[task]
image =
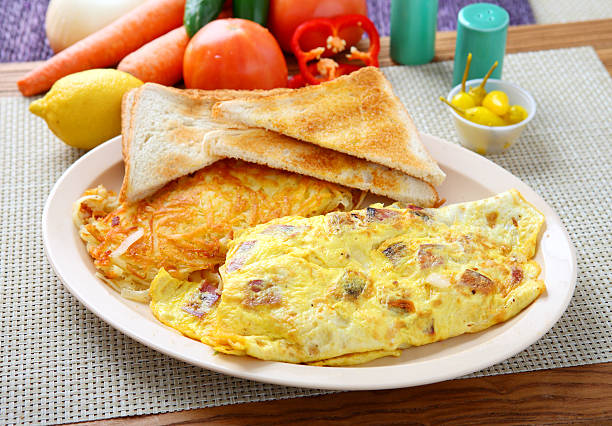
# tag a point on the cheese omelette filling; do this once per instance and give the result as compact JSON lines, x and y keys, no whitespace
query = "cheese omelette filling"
{"x":345,"y":288}
{"x":185,"y":227}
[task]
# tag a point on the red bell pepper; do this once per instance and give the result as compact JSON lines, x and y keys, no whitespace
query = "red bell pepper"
{"x":325,"y":69}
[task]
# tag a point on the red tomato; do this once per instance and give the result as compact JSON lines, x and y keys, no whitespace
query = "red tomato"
{"x":286,"y":15}
{"x":234,"y":54}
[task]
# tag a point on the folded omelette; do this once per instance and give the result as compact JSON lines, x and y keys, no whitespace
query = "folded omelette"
{"x":348,"y":287}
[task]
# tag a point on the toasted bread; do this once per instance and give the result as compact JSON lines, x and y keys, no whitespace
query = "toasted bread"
{"x":282,"y":152}
{"x":126,"y":111}
{"x":163,"y":132}
{"x":127,"y":104}
{"x":357,"y":114}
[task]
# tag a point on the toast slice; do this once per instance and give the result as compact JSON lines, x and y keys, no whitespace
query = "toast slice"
{"x":357,"y":114}
{"x":281,"y":152}
{"x":126,"y":112}
{"x":127,"y":104}
{"x":163,"y":131}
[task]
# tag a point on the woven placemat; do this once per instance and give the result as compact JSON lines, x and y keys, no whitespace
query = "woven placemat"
{"x":62,"y":364}
{"x":554,"y":11}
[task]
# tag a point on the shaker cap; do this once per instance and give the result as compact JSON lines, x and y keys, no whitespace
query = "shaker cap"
{"x":484,"y":17}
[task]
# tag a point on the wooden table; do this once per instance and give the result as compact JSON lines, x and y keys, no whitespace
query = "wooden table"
{"x":565,"y":395}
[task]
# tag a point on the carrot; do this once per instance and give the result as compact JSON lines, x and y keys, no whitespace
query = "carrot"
{"x":159,"y":61}
{"x":106,"y":47}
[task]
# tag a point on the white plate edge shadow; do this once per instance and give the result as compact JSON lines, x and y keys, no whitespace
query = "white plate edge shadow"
{"x":170,"y":342}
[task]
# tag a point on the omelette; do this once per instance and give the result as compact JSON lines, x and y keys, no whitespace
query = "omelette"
{"x":186,"y":226}
{"x":348,"y":287}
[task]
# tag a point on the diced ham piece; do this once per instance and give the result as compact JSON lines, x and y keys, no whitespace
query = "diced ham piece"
{"x":476,"y":282}
{"x":259,"y":292}
{"x":402,"y":304}
{"x":202,"y":301}
{"x":395,"y":252}
{"x":427,"y":256}
{"x":517,"y":276}
{"x":380,"y":215}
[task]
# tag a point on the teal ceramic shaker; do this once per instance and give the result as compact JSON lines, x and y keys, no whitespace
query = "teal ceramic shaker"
{"x":481,"y":30}
{"x":413,"y":31}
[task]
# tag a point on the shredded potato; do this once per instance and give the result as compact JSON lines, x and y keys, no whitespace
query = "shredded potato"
{"x":187,"y":225}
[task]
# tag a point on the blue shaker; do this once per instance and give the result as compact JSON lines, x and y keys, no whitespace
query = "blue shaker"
{"x":413,"y":31}
{"x":481,"y":30}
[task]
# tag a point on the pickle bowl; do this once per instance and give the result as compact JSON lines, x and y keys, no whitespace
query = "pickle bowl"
{"x":492,"y":139}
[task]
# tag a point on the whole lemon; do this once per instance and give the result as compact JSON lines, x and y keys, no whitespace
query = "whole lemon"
{"x":84,"y":109}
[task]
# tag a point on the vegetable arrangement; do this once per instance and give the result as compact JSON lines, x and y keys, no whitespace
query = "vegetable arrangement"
{"x":287,"y":15}
{"x":327,"y":69}
{"x":108,"y":46}
{"x":152,"y":42}
{"x":199,"y":13}
{"x":159,"y":61}
{"x":197,"y":41}
{"x":234,"y":54}
{"x":253,"y":10}
{"x":69,"y":21}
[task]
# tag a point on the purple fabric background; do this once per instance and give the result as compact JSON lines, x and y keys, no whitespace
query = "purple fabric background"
{"x":22,"y":23}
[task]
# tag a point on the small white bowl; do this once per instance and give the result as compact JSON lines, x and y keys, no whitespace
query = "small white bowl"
{"x":486,"y":139}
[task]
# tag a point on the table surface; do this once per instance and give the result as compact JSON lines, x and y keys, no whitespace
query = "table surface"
{"x":576,"y":394}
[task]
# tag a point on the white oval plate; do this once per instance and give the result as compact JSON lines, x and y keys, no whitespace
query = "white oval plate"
{"x":470,"y":177}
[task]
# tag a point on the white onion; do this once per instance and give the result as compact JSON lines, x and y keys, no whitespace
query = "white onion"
{"x":88,"y":197}
{"x":437,"y":280}
{"x":137,"y":295}
{"x":76,"y":208}
{"x":69,"y":21}
{"x":125,"y":244}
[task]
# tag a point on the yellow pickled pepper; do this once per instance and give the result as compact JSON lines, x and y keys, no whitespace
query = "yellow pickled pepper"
{"x":515,"y":114}
{"x":478,"y":114}
{"x":478,"y":93}
{"x":462,"y":99}
{"x":497,"y":102}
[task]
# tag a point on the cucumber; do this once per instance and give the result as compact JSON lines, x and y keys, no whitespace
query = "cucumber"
{"x":199,"y":13}
{"x":254,"y":10}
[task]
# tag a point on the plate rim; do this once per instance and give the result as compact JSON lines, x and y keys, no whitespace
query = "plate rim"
{"x":303,"y":378}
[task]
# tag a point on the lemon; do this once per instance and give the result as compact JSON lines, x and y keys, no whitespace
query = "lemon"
{"x":84,"y":109}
